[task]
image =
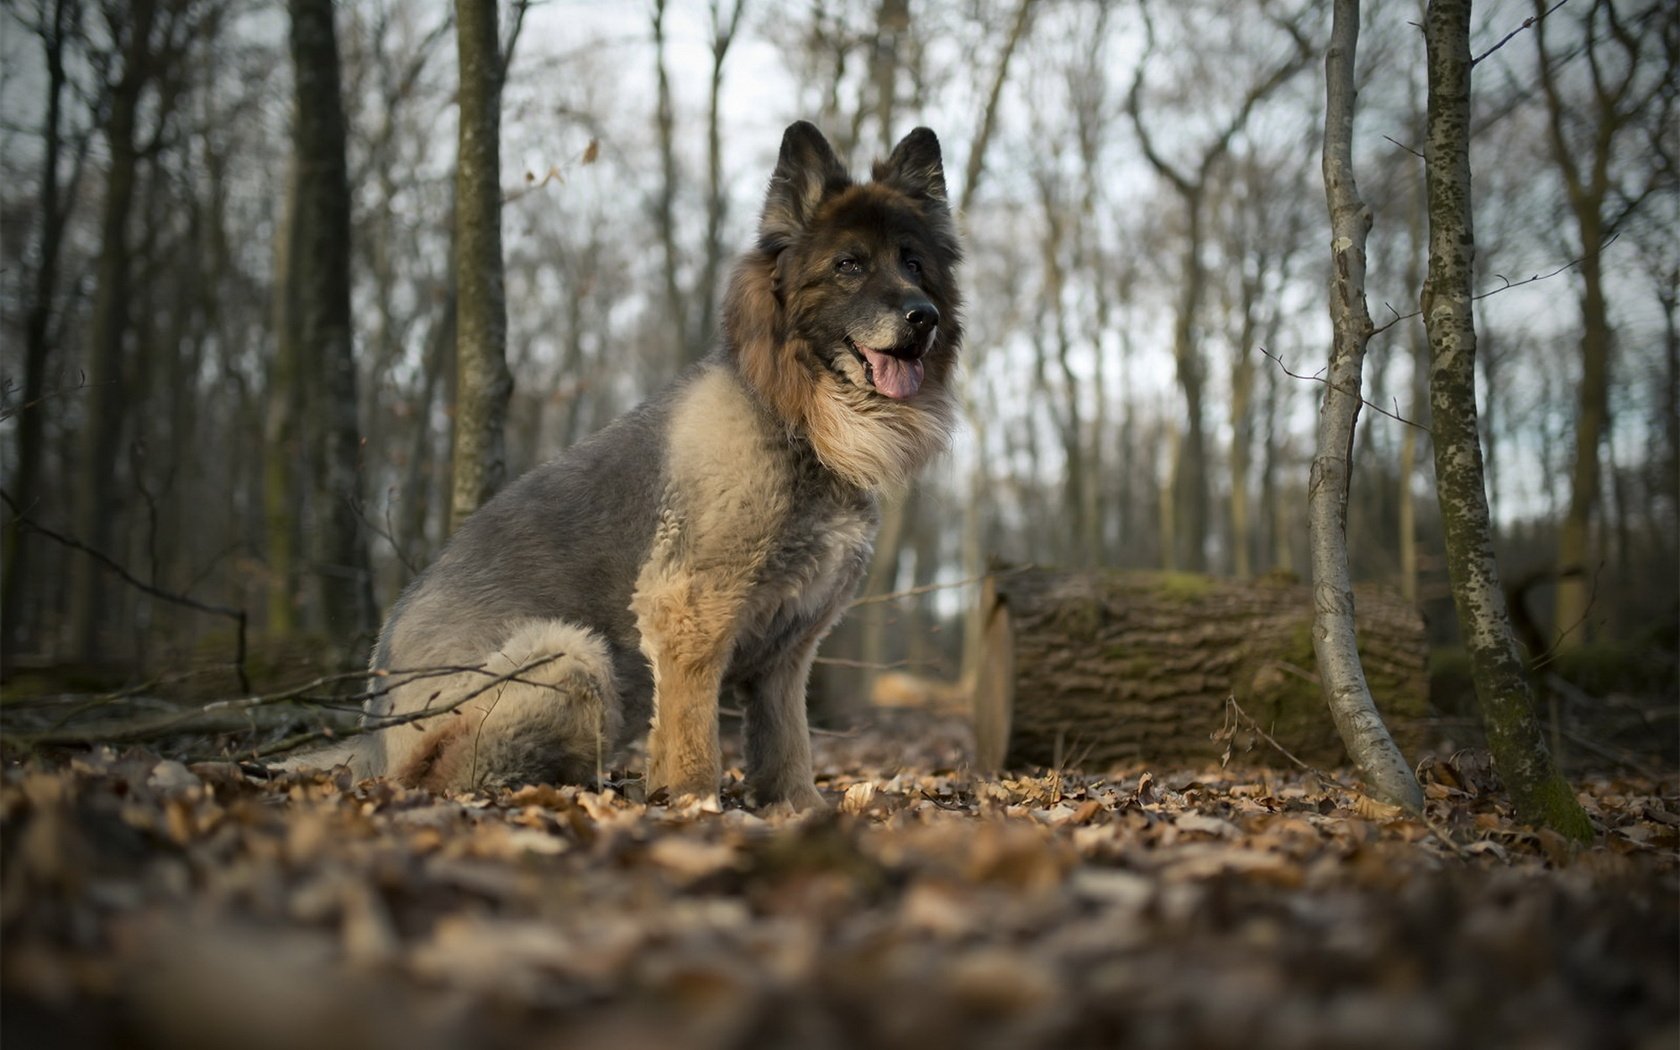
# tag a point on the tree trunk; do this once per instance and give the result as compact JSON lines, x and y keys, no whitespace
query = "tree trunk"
{"x":1417,"y":351}
{"x":1187,"y":543}
{"x":700,"y":340}
{"x":1585,"y":168}
{"x":976,"y":166}
{"x":1242,"y":423}
{"x":1166,"y":504}
{"x":104,"y":406}
{"x":1575,"y":569}
{"x":1507,"y":704}
{"x":973,"y":543}
{"x":321,"y":263}
{"x":483,"y":384}
{"x":1345,"y":689}
{"x":676,"y":306}
{"x":283,"y":444}
{"x":1097,"y":669}
{"x":55,"y":207}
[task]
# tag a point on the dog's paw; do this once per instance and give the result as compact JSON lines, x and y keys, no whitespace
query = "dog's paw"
{"x":696,"y":796}
{"x":803,"y":799}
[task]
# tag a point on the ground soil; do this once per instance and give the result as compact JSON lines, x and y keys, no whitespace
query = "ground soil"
{"x":147,"y":902}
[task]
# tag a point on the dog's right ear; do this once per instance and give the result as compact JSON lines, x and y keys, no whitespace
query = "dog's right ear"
{"x":807,"y":171}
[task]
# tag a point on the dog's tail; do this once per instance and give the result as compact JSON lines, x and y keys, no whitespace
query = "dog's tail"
{"x":542,"y":708}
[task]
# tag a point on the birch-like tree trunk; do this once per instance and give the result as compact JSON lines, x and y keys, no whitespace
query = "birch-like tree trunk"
{"x":483,"y":384}
{"x":320,"y":255}
{"x":1502,"y":688}
{"x":1355,"y":712}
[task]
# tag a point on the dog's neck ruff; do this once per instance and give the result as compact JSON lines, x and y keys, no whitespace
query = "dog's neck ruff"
{"x":873,"y":442}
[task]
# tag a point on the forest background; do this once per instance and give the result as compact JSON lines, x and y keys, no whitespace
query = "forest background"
{"x":1139,"y":191}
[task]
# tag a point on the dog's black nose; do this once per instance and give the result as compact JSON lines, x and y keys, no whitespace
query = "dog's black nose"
{"x":922,"y":315}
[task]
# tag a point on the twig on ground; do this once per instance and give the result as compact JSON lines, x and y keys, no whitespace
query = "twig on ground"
{"x":1248,"y":720}
{"x":373,"y":723}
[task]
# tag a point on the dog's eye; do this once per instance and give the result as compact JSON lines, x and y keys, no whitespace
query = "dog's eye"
{"x":913,"y":264}
{"x":848,"y":265}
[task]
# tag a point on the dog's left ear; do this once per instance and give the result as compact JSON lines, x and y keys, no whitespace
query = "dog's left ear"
{"x":915,"y":167}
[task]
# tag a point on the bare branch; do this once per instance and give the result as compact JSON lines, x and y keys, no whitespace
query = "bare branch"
{"x":1316,"y":378}
{"x":1527,"y":22}
{"x":1505,"y":287}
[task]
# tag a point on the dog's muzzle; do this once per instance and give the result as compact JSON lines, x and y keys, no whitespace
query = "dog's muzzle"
{"x":896,"y":370}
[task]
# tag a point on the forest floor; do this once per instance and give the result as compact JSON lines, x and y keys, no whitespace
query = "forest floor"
{"x":146,"y":902}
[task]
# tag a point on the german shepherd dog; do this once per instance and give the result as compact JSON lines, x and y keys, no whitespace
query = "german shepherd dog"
{"x":709,"y":538}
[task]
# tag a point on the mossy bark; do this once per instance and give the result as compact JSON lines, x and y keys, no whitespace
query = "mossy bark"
{"x":483,"y":384}
{"x":1102,"y":668}
{"x":1502,"y":688}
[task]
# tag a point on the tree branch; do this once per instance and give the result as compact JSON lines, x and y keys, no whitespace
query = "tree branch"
{"x":1508,"y":37}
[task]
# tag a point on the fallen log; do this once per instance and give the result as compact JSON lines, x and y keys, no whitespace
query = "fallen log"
{"x":1097,"y":669}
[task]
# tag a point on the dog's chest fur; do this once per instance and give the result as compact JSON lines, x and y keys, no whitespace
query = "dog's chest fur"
{"x":751,"y":517}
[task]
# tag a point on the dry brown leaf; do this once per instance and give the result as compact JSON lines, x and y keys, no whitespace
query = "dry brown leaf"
{"x":690,"y":859}
{"x":858,"y":797}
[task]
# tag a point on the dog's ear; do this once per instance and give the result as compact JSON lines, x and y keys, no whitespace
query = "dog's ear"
{"x":806,"y":172}
{"x":915,"y":167}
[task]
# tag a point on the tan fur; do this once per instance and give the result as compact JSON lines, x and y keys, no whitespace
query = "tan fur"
{"x":518,"y":729}
{"x":435,"y":762}
{"x":727,"y":495}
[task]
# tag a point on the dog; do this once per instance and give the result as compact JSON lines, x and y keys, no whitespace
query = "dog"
{"x":709,"y":538}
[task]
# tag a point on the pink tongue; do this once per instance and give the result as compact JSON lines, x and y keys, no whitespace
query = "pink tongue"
{"x":894,"y":376}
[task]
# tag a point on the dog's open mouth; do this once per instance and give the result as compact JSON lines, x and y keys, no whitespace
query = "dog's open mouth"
{"x":891,"y":371}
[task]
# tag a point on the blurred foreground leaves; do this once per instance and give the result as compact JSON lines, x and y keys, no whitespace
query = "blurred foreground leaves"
{"x":147,"y":902}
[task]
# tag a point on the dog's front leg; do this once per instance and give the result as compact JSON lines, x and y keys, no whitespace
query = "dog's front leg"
{"x":688,"y":627}
{"x":778,"y":739}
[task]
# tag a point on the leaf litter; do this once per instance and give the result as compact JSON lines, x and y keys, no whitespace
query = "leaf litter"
{"x":148,"y":902}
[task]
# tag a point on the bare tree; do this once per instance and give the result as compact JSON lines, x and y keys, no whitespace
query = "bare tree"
{"x":1260,"y":234}
{"x":1502,"y":688}
{"x":973,"y":541}
{"x":725,"y":25}
{"x":483,"y":384}
{"x":56,"y":28}
{"x":1189,"y":180}
{"x":664,"y":205}
{"x":320,"y":264}
{"x":1357,"y":719}
{"x":283,"y":439}
{"x":102,"y":431}
{"x":1583,"y":146}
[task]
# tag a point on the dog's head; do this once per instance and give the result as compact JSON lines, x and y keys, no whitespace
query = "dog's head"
{"x":849,"y":302}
